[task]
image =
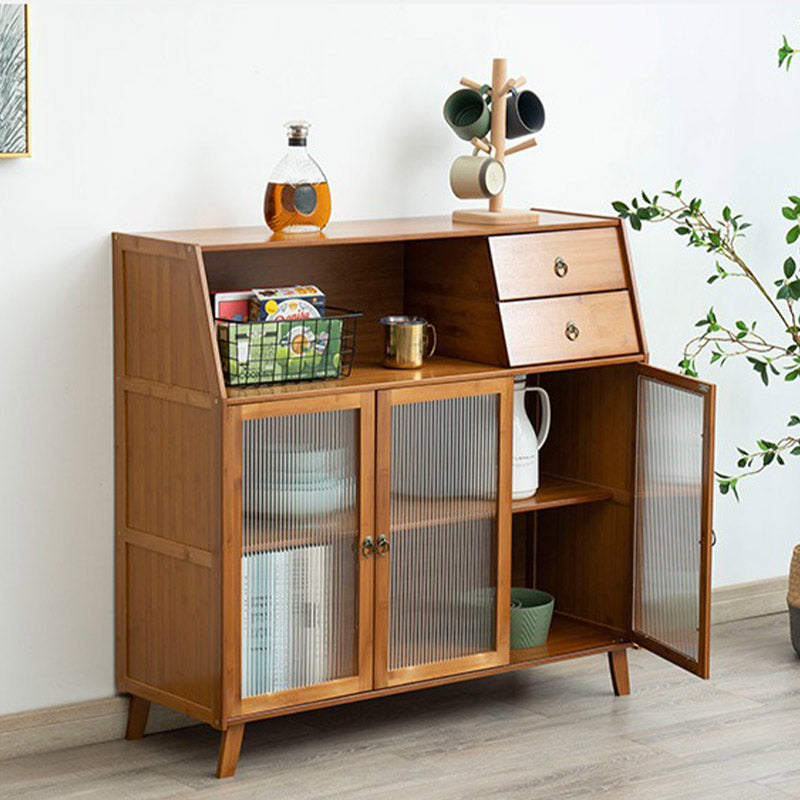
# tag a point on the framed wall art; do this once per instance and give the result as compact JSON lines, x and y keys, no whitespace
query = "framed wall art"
{"x":14,"y":82}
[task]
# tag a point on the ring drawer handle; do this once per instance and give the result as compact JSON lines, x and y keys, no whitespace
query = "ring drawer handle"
{"x":382,"y":547}
{"x":367,"y":547}
{"x":572,"y":331}
{"x":560,"y":267}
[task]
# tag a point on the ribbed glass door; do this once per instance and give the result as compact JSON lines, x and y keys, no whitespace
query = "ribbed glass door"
{"x":302,"y":572}
{"x":441,"y":509}
{"x":672,"y":569}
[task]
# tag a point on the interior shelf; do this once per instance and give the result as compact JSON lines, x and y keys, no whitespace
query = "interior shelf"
{"x":555,"y":492}
{"x":568,"y":636}
{"x":370,"y":376}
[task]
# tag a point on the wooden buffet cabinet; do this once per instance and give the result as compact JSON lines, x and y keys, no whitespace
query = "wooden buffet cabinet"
{"x":395,"y":574}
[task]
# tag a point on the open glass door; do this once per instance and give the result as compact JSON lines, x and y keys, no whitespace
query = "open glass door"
{"x":673,"y":499}
{"x":444,"y":526}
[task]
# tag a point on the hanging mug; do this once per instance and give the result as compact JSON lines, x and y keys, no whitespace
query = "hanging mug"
{"x":526,"y":442}
{"x":524,"y":114}
{"x":466,"y":111}
{"x":477,"y":176}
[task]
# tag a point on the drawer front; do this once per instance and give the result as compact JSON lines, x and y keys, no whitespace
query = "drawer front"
{"x":569,"y":328}
{"x":561,"y":262}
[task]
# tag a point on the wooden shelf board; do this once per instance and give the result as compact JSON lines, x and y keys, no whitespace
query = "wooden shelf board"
{"x":372,"y":230}
{"x":557,"y":492}
{"x":430,"y":511}
{"x":370,"y":376}
{"x":568,"y":637}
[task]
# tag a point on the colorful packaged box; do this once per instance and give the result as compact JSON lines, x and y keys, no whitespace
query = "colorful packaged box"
{"x":281,"y":350}
{"x":287,"y":302}
{"x":233,"y":306}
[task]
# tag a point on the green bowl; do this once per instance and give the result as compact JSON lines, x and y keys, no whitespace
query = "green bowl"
{"x":531,"y":614}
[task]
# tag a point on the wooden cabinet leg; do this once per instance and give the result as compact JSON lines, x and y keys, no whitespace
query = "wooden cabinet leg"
{"x":138,"y":711}
{"x":229,"y":747}
{"x":618,"y":664}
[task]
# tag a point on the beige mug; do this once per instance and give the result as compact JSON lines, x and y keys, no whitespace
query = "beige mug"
{"x":408,"y":341}
{"x":477,"y":176}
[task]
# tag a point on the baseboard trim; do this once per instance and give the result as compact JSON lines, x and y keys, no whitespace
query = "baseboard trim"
{"x":59,"y":727}
{"x":745,"y":600}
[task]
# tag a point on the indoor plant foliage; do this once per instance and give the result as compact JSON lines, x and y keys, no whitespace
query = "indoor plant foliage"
{"x":719,"y":340}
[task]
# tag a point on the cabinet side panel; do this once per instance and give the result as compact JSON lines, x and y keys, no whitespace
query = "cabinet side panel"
{"x":163,"y":317}
{"x":584,"y":554}
{"x":450,"y":282}
{"x":172,"y":471}
{"x":170,"y":638}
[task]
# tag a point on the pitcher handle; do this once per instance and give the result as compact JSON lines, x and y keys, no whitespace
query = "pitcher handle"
{"x":430,"y":327}
{"x":541,"y":436}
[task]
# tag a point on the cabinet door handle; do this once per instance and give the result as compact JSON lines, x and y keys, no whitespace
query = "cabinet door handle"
{"x":572,"y":331}
{"x":367,"y":547}
{"x":382,"y":547}
{"x":560,"y":267}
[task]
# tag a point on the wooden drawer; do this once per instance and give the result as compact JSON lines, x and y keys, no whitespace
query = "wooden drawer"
{"x":538,"y":331}
{"x":561,"y":262}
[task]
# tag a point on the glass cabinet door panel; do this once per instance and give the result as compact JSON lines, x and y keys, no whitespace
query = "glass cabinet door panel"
{"x":301,"y":561}
{"x":673,"y":517}
{"x":443,"y":532}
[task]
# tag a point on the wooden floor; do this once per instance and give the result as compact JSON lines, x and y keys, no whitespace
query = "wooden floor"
{"x":554,"y":732}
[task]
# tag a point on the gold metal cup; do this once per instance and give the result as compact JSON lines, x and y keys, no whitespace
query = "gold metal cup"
{"x":408,"y":341}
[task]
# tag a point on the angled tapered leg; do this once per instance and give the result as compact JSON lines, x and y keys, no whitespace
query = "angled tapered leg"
{"x":229,"y":747}
{"x":138,"y":711}
{"x":618,"y":664}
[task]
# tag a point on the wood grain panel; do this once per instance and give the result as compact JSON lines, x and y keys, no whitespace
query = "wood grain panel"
{"x":371,"y":230}
{"x":585,"y":553}
{"x":172,"y":471}
{"x":450,"y":283}
{"x":164,"y":320}
{"x":556,"y":263}
{"x":170,"y":640}
{"x":536,"y":330}
{"x":366,"y":278}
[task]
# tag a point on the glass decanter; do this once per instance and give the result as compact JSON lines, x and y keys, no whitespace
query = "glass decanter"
{"x":297,"y":199}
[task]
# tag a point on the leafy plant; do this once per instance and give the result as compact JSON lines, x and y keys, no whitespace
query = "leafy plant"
{"x":770,"y":358}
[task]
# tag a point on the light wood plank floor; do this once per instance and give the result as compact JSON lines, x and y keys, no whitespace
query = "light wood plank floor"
{"x":550,"y":733}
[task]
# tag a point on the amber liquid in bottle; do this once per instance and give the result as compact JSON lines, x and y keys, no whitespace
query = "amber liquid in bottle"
{"x":297,"y":207}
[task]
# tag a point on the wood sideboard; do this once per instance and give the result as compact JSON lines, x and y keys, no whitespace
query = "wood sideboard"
{"x":402,"y":581}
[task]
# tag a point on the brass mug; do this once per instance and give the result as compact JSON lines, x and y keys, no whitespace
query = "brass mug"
{"x":406,"y":340}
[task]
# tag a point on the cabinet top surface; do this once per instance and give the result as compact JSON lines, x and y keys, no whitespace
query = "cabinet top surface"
{"x":375,"y":230}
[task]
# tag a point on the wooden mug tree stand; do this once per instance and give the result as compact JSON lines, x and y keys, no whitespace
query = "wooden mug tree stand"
{"x":496,"y":214}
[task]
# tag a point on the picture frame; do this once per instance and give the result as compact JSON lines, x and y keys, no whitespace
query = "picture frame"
{"x":15,"y":140}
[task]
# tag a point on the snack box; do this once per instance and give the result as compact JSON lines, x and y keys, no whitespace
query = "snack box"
{"x":285,"y":350}
{"x":233,"y":306}
{"x":287,"y":302}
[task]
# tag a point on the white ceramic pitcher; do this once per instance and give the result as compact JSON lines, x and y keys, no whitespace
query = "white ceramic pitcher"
{"x":525,"y":476}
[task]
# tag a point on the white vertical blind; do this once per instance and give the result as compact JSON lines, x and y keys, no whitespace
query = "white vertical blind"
{"x":443,"y":529}
{"x":669,"y":514}
{"x":299,"y":536}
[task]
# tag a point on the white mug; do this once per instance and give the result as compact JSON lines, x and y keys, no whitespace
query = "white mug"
{"x":477,"y":176}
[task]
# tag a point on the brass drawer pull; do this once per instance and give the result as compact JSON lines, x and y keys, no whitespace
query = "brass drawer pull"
{"x":560,"y":267}
{"x":382,"y":547}
{"x":572,"y":331}
{"x":367,"y":547}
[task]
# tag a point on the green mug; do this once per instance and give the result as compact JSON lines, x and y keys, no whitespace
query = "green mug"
{"x":466,"y":111}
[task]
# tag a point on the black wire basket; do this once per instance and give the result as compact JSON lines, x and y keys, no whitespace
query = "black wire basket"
{"x":290,"y":350}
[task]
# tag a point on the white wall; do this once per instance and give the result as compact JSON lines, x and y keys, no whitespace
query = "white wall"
{"x":148,"y":117}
